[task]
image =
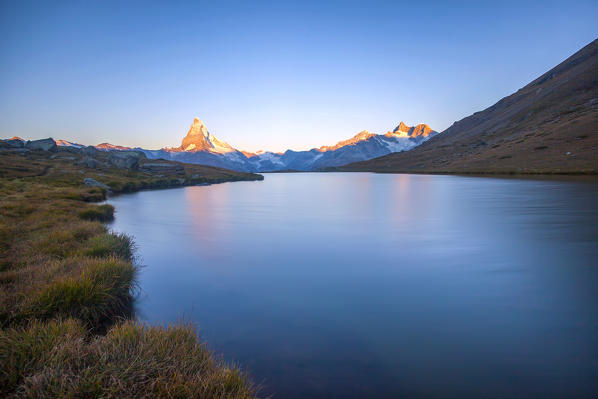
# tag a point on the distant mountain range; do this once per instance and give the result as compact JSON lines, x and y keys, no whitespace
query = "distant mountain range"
{"x":548,"y":126}
{"x":199,"y":146}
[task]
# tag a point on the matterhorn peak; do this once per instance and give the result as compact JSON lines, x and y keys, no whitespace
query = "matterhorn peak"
{"x":198,"y":128}
{"x":199,"y":139}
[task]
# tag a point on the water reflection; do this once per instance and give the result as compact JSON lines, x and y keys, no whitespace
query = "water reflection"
{"x":362,"y":285}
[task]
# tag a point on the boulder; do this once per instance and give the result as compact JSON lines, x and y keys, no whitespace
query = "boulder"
{"x":125,"y":159}
{"x":43,"y":144}
{"x":88,"y":181}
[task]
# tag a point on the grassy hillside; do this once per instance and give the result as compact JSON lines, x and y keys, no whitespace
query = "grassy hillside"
{"x":549,"y":126}
{"x":66,"y":286}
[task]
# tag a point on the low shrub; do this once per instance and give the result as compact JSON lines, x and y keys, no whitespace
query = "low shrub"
{"x":101,"y":213}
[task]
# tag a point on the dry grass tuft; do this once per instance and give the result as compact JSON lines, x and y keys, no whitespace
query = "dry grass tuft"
{"x":101,"y":213}
{"x":58,"y":359}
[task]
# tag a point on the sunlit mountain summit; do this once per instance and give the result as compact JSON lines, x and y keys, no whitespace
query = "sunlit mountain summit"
{"x":200,"y":146}
{"x":199,"y":139}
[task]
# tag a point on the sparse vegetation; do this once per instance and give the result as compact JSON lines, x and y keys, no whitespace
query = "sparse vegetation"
{"x":66,"y":286}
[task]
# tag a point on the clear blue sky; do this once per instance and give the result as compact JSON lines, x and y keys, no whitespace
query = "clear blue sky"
{"x":269,"y":75}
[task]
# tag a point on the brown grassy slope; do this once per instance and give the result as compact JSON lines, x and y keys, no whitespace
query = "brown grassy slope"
{"x":549,"y":126}
{"x":64,"y":278}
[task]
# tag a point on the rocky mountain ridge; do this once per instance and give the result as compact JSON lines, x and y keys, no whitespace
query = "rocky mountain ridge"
{"x":200,"y":146}
{"x":15,"y":153}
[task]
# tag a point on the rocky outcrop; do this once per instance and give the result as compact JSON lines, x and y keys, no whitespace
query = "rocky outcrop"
{"x":15,"y":142}
{"x":20,"y":145}
{"x":125,"y":159}
{"x":91,"y":163}
{"x":43,"y":144}
{"x":88,"y":181}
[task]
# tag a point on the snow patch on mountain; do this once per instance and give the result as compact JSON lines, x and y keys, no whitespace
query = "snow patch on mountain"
{"x":64,"y":143}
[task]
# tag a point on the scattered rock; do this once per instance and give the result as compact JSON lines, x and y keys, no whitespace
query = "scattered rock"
{"x":88,"y":181}
{"x":43,"y":144}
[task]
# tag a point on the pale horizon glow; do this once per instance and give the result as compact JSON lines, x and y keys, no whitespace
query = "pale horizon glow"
{"x":269,"y":75}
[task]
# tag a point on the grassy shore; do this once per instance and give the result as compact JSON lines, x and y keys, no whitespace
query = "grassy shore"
{"x":66,"y":286}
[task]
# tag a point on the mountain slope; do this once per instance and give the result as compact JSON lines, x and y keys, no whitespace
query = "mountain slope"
{"x":549,"y":126}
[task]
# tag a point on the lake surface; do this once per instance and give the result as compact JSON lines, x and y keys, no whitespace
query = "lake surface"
{"x":364,"y":285}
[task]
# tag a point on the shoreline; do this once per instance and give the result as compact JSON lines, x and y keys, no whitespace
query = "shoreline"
{"x":67,"y":285}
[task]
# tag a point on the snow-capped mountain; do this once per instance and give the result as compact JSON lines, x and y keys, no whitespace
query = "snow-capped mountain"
{"x":364,"y":145}
{"x":201,"y":147}
{"x":199,"y":139}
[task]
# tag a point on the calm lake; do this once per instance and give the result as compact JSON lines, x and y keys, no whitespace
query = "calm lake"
{"x":326,"y":285}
